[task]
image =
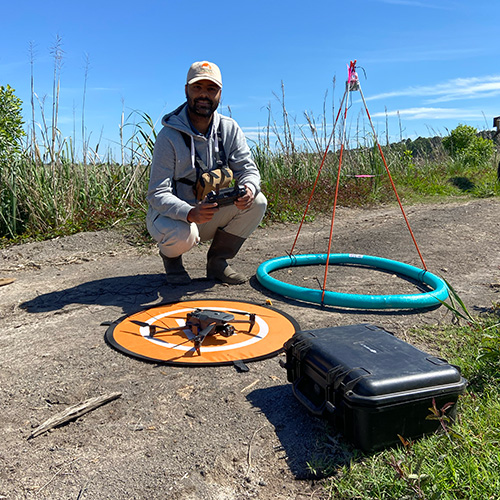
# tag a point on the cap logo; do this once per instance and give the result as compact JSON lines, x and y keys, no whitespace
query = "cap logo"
{"x":204,"y":70}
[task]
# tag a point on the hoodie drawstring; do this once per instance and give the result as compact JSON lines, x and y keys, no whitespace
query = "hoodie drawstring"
{"x":193,"y":151}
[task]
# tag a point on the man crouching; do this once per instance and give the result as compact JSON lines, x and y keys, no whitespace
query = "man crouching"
{"x":197,"y":149}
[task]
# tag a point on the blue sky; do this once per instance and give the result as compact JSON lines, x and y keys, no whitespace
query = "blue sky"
{"x":427,"y":65}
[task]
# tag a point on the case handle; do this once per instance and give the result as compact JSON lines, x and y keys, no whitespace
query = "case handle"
{"x":315,"y":410}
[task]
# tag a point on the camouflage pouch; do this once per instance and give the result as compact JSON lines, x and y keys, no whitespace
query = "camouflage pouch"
{"x":214,"y":180}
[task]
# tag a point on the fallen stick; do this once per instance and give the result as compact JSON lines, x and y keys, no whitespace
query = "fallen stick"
{"x":6,"y":281}
{"x":249,"y":453}
{"x":73,"y":412}
{"x":250,"y":385}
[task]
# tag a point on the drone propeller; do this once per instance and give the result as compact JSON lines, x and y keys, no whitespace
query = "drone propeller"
{"x":153,"y":329}
{"x":244,"y":313}
{"x":208,"y":310}
{"x":143,"y":323}
{"x":202,"y":310}
{"x":262,"y":314}
{"x":250,"y":320}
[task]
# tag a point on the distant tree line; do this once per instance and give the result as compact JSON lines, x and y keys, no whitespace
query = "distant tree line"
{"x":430,"y":147}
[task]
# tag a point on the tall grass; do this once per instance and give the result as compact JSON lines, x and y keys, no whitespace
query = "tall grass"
{"x":51,"y":194}
{"x":47,"y":190}
{"x":290,"y":153}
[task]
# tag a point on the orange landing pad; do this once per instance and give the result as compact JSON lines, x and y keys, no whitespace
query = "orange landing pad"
{"x":133,"y":334}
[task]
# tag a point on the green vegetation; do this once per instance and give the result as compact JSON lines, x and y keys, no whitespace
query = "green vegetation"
{"x":46,"y":191}
{"x":462,"y":460}
{"x":421,"y":171}
{"x":465,"y":146}
{"x":11,"y":123}
{"x":11,"y":133}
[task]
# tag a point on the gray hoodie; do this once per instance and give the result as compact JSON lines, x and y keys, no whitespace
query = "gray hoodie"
{"x":173,"y":160}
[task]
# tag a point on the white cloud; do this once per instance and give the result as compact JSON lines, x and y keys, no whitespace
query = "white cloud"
{"x":254,"y":133}
{"x":423,"y":113}
{"x":452,"y":90}
{"x":470,"y":88}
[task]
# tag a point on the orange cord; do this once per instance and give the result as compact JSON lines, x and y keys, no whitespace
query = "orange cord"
{"x":352,"y":69}
{"x":319,"y":173}
{"x":392,"y":182}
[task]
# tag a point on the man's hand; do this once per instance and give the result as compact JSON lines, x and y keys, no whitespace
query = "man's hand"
{"x":203,"y":212}
{"x":246,"y":200}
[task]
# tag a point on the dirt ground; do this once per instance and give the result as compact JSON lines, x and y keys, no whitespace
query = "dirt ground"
{"x":199,"y":433}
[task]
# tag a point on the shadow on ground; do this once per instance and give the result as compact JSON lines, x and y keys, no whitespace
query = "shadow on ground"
{"x":130,"y":293}
{"x":312,"y":449}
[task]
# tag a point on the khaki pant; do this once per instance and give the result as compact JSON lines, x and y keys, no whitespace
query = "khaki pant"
{"x":175,"y":237}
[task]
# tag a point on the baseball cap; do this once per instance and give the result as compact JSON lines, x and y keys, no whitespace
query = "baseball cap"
{"x":204,"y":70}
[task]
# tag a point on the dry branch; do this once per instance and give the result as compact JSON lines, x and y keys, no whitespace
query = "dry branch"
{"x":74,"y":412}
{"x":6,"y":281}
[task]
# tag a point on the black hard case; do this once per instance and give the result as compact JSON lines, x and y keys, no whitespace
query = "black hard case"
{"x":372,"y":385}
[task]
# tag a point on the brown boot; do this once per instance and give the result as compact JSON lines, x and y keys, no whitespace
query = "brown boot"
{"x":224,"y":246}
{"x":176,"y":274}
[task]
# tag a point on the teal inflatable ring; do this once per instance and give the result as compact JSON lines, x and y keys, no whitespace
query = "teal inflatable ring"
{"x":434,"y":297}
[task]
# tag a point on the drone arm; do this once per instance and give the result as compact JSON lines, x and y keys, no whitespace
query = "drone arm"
{"x":198,"y":340}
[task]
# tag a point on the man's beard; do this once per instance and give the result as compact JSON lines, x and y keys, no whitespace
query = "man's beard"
{"x":202,"y":107}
